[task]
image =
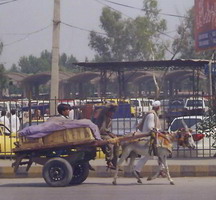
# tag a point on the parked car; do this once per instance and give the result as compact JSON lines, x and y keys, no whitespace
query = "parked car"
{"x":164,"y":108}
{"x":203,"y":146}
{"x":175,"y":109}
{"x":196,"y":106}
{"x":123,"y":126}
{"x":141,"y":105}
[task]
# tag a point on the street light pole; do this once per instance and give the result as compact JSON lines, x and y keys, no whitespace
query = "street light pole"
{"x":54,"y":94}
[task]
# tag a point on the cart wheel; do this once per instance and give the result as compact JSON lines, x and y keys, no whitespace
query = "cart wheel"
{"x":80,"y":173}
{"x":57,"y":172}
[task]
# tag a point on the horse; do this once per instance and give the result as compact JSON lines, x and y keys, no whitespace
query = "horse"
{"x":163,"y":149}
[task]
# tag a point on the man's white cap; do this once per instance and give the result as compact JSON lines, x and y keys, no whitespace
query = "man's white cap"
{"x":156,"y":104}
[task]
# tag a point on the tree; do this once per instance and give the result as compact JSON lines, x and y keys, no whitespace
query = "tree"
{"x":33,"y":65}
{"x":129,"y":39}
{"x":46,"y":60}
{"x":69,"y":65}
{"x":184,"y":44}
{"x":13,"y":68}
{"x":30,"y":65}
{"x":66,"y":63}
{"x":3,"y":80}
{"x":1,"y":47}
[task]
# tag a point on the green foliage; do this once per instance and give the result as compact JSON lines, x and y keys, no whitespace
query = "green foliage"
{"x":3,"y":79}
{"x":30,"y":65}
{"x":46,"y":60}
{"x":33,"y":65}
{"x":66,"y":63}
{"x":208,"y":127}
{"x":1,"y":47}
{"x":128,"y":39}
{"x":14,"y":68}
{"x":184,"y":44}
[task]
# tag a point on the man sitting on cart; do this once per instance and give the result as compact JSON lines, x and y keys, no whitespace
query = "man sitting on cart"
{"x":104,"y":122}
{"x":64,"y":110}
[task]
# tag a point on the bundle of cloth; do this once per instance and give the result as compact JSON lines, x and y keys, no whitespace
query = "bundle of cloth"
{"x":57,"y":124}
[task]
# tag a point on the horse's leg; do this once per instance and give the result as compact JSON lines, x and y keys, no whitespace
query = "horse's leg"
{"x":141,"y":162}
{"x":116,"y":149}
{"x":160,"y":167}
{"x":132,"y":156}
{"x":125,"y":153}
{"x":167,"y":170}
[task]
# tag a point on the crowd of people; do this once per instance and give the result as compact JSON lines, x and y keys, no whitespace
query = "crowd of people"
{"x":12,"y":123}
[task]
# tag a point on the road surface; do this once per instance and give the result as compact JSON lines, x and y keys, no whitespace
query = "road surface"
{"x":199,"y":188}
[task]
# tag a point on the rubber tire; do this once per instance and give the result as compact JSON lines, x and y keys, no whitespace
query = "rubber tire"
{"x":57,"y":172}
{"x":80,"y":173}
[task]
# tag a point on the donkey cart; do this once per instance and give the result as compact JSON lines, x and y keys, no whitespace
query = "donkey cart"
{"x":64,"y":154}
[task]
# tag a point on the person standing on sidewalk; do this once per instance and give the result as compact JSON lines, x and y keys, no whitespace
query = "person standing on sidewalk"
{"x":15,"y":122}
{"x":4,"y":120}
{"x":149,"y":122}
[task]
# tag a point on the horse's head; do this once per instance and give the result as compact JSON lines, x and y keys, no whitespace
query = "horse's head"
{"x":185,"y":138}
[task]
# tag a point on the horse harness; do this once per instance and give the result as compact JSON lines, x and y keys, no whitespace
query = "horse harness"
{"x":182,"y":137}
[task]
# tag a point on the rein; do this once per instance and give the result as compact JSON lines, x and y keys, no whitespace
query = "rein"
{"x":182,"y":137}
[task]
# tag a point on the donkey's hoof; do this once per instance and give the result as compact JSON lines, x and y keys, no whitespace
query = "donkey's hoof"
{"x":149,"y":179}
{"x":139,"y":181}
{"x":172,"y":183}
{"x":114,"y":183}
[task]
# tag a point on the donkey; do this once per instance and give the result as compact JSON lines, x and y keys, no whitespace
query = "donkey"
{"x":182,"y":137}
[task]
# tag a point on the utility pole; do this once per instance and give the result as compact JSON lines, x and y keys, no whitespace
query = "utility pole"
{"x":54,"y":94}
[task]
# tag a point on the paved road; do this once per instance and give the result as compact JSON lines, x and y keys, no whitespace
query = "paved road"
{"x":102,"y":189}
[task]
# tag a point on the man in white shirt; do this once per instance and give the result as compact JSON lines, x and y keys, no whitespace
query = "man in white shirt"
{"x":149,"y":122}
{"x":4,"y":120}
{"x":15,"y":122}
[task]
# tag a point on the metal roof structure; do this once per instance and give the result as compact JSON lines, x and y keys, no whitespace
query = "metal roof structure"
{"x":146,"y":65}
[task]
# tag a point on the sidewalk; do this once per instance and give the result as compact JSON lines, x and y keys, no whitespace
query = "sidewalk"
{"x":177,"y":167}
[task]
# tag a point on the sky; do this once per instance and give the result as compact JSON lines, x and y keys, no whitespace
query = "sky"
{"x":26,"y":25}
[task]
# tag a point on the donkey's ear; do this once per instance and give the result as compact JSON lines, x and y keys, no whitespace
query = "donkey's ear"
{"x":185,"y":125}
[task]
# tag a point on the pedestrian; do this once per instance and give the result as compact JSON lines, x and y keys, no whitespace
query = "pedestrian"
{"x":15,"y":122}
{"x":104,"y":123}
{"x":25,"y":117}
{"x":37,"y":114}
{"x":149,"y":122}
{"x":5,"y":120}
{"x":46,"y":114}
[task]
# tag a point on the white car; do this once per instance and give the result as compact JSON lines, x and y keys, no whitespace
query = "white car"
{"x":203,"y":146}
{"x":141,"y":105}
{"x":196,"y":106}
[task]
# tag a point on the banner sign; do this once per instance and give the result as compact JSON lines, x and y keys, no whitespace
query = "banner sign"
{"x":205,"y":24}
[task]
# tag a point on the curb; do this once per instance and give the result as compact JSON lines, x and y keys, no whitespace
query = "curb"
{"x":175,"y":171}
{"x":101,"y":171}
